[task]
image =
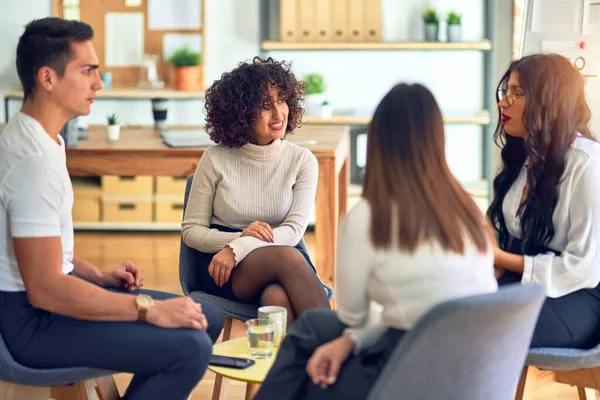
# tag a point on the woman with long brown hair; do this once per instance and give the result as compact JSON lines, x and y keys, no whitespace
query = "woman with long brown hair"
{"x":546,"y":206}
{"x":416,"y":239}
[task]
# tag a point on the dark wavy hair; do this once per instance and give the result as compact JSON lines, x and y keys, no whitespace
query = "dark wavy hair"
{"x":234,"y":102}
{"x":555,"y":111}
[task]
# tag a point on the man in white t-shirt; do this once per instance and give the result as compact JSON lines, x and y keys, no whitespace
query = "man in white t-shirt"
{"x":55,"y":308}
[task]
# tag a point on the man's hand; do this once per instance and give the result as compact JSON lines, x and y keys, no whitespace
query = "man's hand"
{"x":180,"y":312}
{"x":325,"y":364}
{"x":126,"y":275}
{"x":221,"y":265}
{"x":260,"y":230}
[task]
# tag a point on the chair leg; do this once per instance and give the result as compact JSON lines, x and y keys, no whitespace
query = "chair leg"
{"x":521,"y":385}
{"x":14,"y":391}
{"x":106,"y":388}
{"x":83,"y":390}
{"x":220,"y":388}
{"x":251,"y":389}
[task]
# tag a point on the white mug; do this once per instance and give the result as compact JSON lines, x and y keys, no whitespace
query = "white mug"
{"x":278,"y":316}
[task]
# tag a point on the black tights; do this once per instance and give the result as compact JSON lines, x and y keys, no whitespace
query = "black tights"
{"x":280,"y":276}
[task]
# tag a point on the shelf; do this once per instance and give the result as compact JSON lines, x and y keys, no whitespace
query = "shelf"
{"x":480,"y":118}
{"x":127,"y":226}
{"x":480,"y":45}
{"x":132,"y":94}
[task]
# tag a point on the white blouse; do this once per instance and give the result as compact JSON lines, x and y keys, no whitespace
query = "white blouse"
{"x":405,"y":285}
{"x":576,"y":221}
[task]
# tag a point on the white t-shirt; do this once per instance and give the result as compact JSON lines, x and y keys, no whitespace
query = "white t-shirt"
{"x":36,"y":196}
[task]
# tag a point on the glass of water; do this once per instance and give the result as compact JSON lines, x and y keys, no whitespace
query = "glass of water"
{"x":261,"y":335}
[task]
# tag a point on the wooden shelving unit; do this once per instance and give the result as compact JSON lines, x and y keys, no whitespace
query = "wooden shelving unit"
{"x":480,"y":118}
{"x":124,"y":94}
{"x":293,"y":46}
{"x":271,"y":32}
{"x":132,"y":94}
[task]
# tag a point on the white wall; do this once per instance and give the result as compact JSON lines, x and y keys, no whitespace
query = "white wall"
{"x":354,"y":79}
{"x":533,"y":44}
{"x":13,"y":18}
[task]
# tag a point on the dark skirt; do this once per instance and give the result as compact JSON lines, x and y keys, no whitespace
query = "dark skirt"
{"x":207,"y":284}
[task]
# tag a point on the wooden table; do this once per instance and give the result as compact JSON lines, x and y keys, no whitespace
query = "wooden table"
{"x":140,"y":151}
{"x":254,"y":375}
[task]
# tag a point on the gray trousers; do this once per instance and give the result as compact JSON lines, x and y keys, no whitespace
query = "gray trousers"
{"x":288,"y":379}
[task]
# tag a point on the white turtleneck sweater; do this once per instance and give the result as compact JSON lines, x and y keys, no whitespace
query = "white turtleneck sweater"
{"x":276,"y":184}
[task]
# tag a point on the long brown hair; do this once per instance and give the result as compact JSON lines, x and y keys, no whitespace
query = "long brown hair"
{"x":408,"y":184}
{"x":555,"y":112}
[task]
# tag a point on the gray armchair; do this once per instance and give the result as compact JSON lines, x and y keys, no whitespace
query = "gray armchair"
{"x":18,"y":382}
{"x":470,"y":348}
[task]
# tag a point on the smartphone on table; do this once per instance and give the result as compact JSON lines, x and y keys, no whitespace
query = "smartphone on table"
{"x":231,"y":362}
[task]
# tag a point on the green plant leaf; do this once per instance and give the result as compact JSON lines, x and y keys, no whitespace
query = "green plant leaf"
{"x":185,"y":57}
{"x":314,"y":84}
{"x":454,"y":18}
{"x":112,"y":119}
{"x":430,"y":16}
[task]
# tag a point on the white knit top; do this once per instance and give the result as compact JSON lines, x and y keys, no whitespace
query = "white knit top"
{"x":276,"y":184}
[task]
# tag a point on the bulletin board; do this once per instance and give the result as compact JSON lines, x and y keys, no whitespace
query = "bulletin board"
{"x":94,"y":13}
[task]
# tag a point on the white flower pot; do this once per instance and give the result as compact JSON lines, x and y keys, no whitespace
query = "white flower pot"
{"x":454,"y":33}
{"x":113,"y":132}
{"x":326,"y":111}
{"x":313,"y":104}
{"x":431,"y":32}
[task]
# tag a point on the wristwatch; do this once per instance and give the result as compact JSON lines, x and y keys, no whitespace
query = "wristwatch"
{"x":143,"y":303}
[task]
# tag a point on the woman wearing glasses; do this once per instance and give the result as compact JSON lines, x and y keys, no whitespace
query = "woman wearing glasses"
{"x":546,"y":206}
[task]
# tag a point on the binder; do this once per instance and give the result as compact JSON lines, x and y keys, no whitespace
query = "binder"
{"x":372,"y":25}
{"x":339,"y":19}
{"x":355,"y":21}
{"x":323,"y":20}
{"x":288,"y":21}
{"x":306,"y":20}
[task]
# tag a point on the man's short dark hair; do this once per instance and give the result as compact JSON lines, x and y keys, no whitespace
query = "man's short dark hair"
{"x":47,"y":42}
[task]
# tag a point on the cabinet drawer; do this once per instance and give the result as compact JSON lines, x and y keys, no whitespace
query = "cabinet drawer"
{"x":122,"y":209}
{"x":169,"y":209}
{"x":127,"y":185}
{"x":170,"y":185}
{"x":86,"y":209}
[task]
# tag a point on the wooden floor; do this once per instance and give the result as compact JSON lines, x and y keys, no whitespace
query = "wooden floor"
{"x":158,"y":255}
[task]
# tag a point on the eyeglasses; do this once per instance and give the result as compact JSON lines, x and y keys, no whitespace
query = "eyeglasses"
{"x":509,"y":94}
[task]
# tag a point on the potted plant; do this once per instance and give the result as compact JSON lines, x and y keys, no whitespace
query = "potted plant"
{"x":186,"y":64}
{"x":454,"y":28}
{"x":113,"y":129}
{"x":432,"y":25}
{"x":315,"y":86}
